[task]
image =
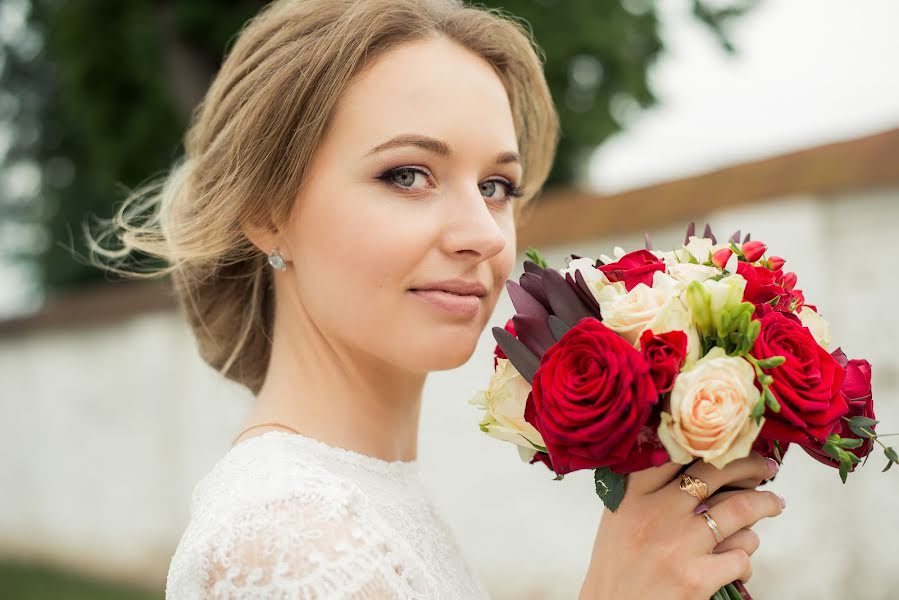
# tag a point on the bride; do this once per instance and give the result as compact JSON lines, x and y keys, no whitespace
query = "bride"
{"x":342,"y":224}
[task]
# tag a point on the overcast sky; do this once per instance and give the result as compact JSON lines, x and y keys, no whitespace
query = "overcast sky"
{"x":808,"y":72}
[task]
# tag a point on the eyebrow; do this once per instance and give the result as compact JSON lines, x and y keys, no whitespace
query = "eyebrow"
{"x":436,"y":146}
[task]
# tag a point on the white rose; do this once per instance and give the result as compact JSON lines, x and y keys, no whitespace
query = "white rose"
{"x":617,"y":253}
{"x":592,"y":275}
{"x":711,"y":407}
{"x":687,"y":272}
{"x":629,"y":313}
{"x":703,"y":249}
{"x":504,"y":401}
{"x":816,"y":324}
{"x":659,"y":308}
{"x":675,"y":316}
{"x":668,"y":256}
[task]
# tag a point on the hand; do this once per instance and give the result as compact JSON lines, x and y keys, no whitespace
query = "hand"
{"x":654,"y":546}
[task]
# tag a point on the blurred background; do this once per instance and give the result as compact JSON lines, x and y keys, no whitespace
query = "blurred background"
{"x":777,"y":118}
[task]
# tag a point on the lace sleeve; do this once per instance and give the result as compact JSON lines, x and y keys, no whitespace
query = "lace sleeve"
{"x":307,"y":547}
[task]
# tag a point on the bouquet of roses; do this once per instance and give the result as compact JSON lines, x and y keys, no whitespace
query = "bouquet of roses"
{"x":707,"y":351}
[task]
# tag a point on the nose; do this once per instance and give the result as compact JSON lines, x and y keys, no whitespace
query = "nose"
{"x":472,"y":227}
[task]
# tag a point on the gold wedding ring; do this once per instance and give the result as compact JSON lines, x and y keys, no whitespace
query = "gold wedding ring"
{"x":713,"y":526}
{"x":695,"y":487}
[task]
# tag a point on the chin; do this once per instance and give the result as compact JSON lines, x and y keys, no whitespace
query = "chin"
{"x":443,"y":357}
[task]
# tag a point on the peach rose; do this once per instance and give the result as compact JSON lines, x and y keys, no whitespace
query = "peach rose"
{"x":711,"y":404}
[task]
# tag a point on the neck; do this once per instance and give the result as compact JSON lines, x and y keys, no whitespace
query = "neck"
{"x":338,"y":394}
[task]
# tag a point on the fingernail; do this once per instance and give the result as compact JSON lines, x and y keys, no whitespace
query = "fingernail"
{"x":701,"y":508}
{"x":773,"y":466}
{"x":783,"y":503}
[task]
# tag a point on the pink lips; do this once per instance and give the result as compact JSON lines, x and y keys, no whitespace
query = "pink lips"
{"x":460,"y":297}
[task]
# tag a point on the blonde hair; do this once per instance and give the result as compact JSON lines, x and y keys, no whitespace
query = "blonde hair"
{"x":252,"y":138}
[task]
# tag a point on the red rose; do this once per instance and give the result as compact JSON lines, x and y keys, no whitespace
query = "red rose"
{"x":665,"y":354}
{"x":633,"y":268}
{"x":775,"y":263}
{"x":807,"y":385}
{"x":592,"y":395}
{"x":530,"y":417}
{"x":762,"y":286}
{"x":542,"y":457}
{"x":856,"y":390}
{"x":720,"y":258}
{"x":498,"y":352}
{"x":648,"y":451}
{"x":754,"y":250}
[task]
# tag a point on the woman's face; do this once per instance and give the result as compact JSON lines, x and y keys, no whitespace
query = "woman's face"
{"x":410,"y":187}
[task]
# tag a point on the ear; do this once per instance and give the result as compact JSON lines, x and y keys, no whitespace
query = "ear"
{"x":265,"y":238}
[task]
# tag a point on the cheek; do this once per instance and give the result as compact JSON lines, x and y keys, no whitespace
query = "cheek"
{"x":504,"y":262}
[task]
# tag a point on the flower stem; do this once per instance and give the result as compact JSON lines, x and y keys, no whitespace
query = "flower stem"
{"x":873,"y":436}
{"x":741,"y":589}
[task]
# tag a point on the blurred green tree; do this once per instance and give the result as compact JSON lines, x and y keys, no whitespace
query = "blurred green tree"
{"x":97,"y":94}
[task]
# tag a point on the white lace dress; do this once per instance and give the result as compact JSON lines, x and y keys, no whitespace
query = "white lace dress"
{"x":283,"y":515}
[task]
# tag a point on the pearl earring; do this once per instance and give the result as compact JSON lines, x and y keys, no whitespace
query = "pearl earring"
{"x":276,"y":260}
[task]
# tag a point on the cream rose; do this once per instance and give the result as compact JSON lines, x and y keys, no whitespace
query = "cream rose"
{"x":687,"y":272}
{"x":504,"y":401}
{"x":659,"y":308}
{"x":702,"y":249}
{"x":816,"y":324}
{"x":617,"y":253}
{"x":711,"y":404}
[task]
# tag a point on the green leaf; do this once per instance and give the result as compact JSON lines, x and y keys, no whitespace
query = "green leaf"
{"x":860,"y":421}
{"x":534,"y":255}
{"x":558,"y":477}
{"x":891,"y":454}
{"x":778,"y":453}
{"x":771,"y":401}
{"x":862,"y":426}
{"x":610,"y":487}
{"x":844,"y":470}
{"x":887,"y":468}
{"x":833,"y":451}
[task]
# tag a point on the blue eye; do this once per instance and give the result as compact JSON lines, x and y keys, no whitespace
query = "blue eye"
{"x":488,"y":188}
{"x":403,"y":177}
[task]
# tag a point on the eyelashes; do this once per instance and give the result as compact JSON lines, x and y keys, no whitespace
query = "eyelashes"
{"x":410,"y":173}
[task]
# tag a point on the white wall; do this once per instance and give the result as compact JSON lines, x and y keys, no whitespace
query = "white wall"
{"x":107,"y":430}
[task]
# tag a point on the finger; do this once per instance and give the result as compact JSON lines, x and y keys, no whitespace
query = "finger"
{"x":754,"y":466}
{"x":743,"y":484}
{"x":729,"y":566}
{"x":653,"y":479}
{"x":745,"y":539}
{"x":743,"y":509}
{"x":720,"y":497}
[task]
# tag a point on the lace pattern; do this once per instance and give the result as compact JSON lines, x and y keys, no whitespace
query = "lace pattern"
{"x":286,"y":516}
